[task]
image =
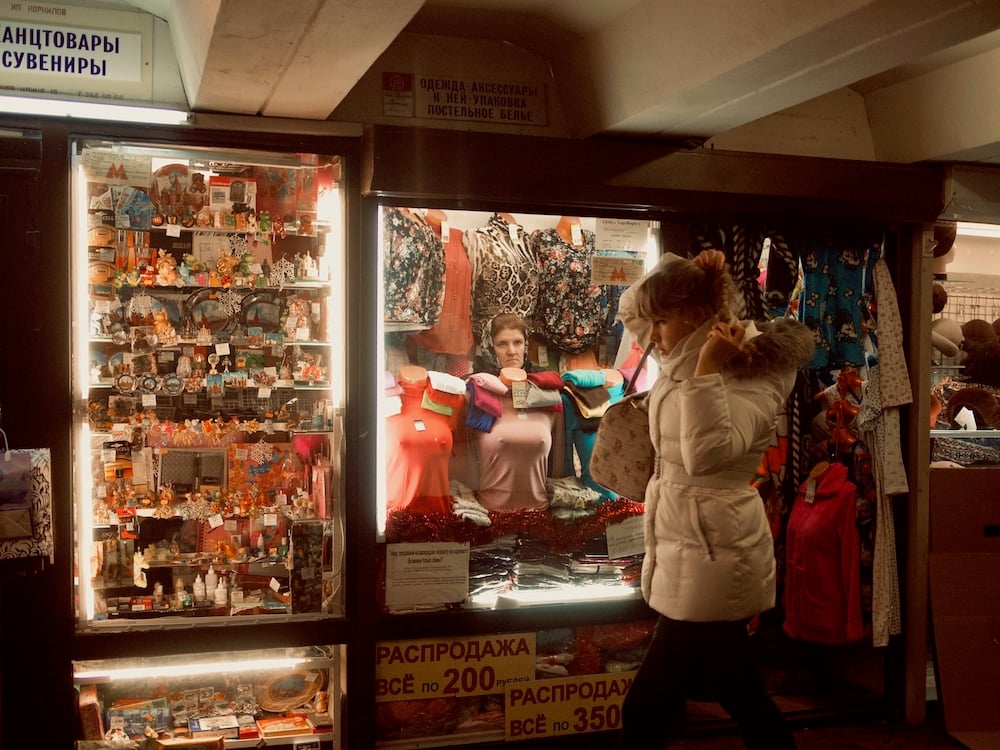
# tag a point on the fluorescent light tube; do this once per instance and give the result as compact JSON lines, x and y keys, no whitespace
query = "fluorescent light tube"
{"x":971,"y":229}
{"x":20,"y":105}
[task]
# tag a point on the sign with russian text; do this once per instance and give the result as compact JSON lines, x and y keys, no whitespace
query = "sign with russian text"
{"x":566,"y":705}
{"x":465,"y":99}
{"x":452,"y":667}
{"x":628,"y":235}
{"x":626,"y":539}
{"x":55,"y":49}
{"x":421,"y":574}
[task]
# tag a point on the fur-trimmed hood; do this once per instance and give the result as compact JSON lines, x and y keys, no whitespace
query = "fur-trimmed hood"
{"x":778,"y":345}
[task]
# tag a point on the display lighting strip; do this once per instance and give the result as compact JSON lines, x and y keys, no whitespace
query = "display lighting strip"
{"x":21,"y":105}
{"x":186,"y":670}
{"x":576,"y":594}
{"x":83,"y":477}
{"x":972,"y":229}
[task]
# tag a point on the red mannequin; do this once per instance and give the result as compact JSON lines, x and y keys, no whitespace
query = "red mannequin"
{"x":418,"y":450}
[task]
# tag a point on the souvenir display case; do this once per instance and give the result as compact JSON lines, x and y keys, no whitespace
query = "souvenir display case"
{"x":208,"y":375}
{"x":208,"y":372}
{"x":237,"y":698}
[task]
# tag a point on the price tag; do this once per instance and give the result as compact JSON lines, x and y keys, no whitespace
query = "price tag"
{"x":275,"y":584}
{"x":270,"y":519}
{"x":445,"y":232}
{"x":576,"y":234}
{"x":222,"y":349}
{"x":215,"y":521}
{"x":418,"y":425}
{"x":149,"y":400}
{"x":264,"y":393}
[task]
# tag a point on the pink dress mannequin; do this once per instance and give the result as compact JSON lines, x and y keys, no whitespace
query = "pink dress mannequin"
{"x":513,"y":456}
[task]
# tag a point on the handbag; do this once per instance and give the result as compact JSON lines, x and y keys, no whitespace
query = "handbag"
{"x":25,"y":502}
{"x":623,"y":456}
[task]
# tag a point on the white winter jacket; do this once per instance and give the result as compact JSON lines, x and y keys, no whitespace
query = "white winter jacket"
{"x":709,"y":552}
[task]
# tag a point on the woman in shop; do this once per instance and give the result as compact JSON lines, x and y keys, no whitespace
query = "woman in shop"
{"x":709,"y":560}
{"x":513,"y":455}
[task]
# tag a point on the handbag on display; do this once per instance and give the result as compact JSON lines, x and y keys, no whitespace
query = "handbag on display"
{"x":25,"y":502}
{"x":623,"y":455}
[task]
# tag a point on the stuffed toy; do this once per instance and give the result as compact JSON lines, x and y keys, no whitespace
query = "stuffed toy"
{"x":977,"y":333}
{"x":980,"y":402}
{"x":982,"y":366}
{"x":946,"y":334}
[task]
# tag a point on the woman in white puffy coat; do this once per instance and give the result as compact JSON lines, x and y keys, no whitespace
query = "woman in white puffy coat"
{"x":709,"y":563}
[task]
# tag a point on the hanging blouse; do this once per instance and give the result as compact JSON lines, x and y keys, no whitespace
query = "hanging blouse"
{"x":834,"y":279}
{"x":504,"y":276}
{"x":568,"y":312}
{"x":413,"y":268}
{"x":452,"y":334}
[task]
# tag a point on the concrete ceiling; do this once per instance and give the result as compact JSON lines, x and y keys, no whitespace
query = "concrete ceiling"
{"x":927,"y":70}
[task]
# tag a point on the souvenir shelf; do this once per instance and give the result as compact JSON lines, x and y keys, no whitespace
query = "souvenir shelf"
{"x":278,"y":697}
{"x":208,"y":378}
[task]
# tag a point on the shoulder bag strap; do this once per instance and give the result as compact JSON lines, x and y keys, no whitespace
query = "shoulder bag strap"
{"x":638,"y":369}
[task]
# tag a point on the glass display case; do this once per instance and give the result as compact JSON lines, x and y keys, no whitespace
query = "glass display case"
{"x":500,"y":352}
{"x":208,"y":375}
{"x":965,"y":379}
{"x":234,"y":699}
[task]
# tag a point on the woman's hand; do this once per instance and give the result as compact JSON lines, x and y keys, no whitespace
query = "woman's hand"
{"x":724,"y":342}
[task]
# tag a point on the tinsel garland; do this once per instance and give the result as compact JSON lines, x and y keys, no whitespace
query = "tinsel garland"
{"x":560,"y":536}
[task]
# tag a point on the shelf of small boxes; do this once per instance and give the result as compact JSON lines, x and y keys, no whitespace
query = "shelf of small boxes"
{"x":242,"y":697}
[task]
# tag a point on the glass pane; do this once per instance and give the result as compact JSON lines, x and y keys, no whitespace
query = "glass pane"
{"x":209,"y":357}
{"x":501,"y":351}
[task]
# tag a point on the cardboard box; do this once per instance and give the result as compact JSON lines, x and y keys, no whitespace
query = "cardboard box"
{"x":221,"y":726}
{"x":91,"y":716}
{"x":964,"y":567}
{"x":965,"y":510}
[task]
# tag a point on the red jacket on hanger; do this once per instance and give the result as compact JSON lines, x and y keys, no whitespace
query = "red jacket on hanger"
{"x":822,"y":579}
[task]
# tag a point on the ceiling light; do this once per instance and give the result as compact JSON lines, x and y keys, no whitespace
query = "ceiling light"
{"x":971,"y":229}
{"x":20,"y":105}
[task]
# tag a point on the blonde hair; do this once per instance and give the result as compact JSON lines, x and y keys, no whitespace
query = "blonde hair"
{"x":683,"y":285}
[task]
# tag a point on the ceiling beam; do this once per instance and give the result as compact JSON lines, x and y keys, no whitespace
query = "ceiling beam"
{"x":946,"y":114}
{"x":694,"y":68}
{"x":277,"y":59}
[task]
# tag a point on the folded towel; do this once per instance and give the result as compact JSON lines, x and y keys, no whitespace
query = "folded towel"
{"x":546,"y":379}
{"x":486,"y":400}
{"x":442,"y":381}
{"x":584,"y":378}
{"x":489,"y":381}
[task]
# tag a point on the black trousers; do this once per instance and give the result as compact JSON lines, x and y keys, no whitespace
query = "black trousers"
{"x":703,"y":661}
